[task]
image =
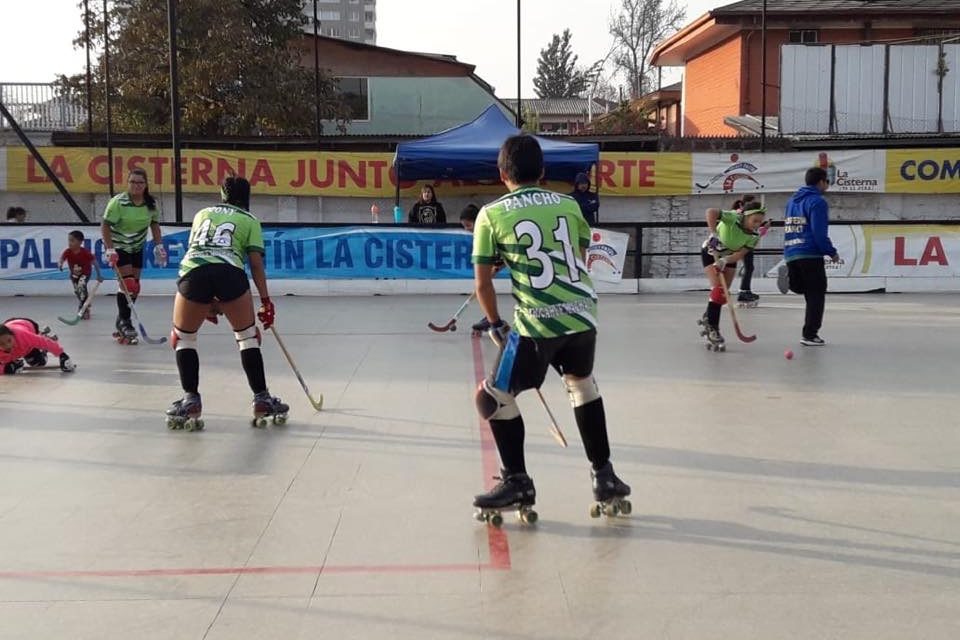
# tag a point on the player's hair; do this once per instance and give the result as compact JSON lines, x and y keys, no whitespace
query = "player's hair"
{"x":5,"y":330}
{"x":813,"y":176}
{"x":148,"y":199}
{"x":13,"y":212}
{"x":76,"y":234}
{"x":236,"y":191}
{"x":521,"y":159}
{"x":433,"y":194}
{"x":470,"y":212}
{"x":739,"y":204}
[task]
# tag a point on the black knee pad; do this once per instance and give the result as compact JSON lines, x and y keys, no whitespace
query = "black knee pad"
{"x":36,"y":358}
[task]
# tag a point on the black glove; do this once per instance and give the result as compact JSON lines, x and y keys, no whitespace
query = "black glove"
{"x":13,"y":368}
{"x":66,"y":365}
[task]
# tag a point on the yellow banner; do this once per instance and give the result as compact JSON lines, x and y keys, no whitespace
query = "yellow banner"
{"x":341,"y":174}
{"x":923,"y":171}
{"x":644,"y":174}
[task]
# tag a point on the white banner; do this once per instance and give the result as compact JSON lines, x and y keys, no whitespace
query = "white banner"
{"x":606,"y":255}
{"x":894,"y":251}
{"x":848,"y":171}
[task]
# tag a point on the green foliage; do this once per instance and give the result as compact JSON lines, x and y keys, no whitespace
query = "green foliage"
{"x":240,"y":72}
{"x":557,"y":72}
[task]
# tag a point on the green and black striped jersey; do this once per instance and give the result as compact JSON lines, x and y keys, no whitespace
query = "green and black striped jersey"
{"x":222,"y":234}
{"x":541,"y":235}
{"x":128,"y":222}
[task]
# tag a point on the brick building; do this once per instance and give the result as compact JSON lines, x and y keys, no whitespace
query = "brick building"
{"x":721,"y":50}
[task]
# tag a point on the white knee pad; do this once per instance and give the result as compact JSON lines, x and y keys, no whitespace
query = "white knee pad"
{"x":248,"y":338}
{"x":181,"y":340}
{"x":494,"y":404}
{"x":581,"y":390}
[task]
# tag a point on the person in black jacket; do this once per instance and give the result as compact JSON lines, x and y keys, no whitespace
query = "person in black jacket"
{"x":589,"y":202}
{"x":427,"y":210}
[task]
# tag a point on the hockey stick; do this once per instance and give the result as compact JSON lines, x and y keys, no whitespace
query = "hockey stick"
{"x":83,"y":309}
{"x":555,"y":430}
{"x":452,"y":324}
{"x":133,"y":310}
{"x":318,"y":402}
{"x":733,"y":311}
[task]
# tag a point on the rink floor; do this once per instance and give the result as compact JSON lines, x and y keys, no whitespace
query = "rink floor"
{"x":811,"y":498}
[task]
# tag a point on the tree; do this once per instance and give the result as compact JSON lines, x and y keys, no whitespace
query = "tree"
{"x":557,"y":73}
{"x":636,"y":30}
{"x":239,"y":71}
{"x":631,"y":117}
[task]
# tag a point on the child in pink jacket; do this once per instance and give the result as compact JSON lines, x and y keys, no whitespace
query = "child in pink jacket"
{"x":21,"y":343}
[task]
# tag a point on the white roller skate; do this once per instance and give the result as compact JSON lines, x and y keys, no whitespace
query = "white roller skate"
{"x":715,"y":341}
{"x":185,"y":413}
{"x":514,"y":492}
{"x":267,"y":406}
{"x":610,"y":493}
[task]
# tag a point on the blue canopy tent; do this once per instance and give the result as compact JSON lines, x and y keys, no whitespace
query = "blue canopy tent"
{"x":469,"y":152}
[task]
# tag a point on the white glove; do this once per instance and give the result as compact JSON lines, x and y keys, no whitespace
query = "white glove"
{"x":160,"y":255}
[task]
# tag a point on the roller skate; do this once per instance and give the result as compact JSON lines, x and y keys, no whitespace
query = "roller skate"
{"x":267,"y":406}
{"x":515,"y":491}
{"x":748,"y":300}
{"x":480,"y":328}
{"x":48,"y":332}
{"x":715,"y":341}
{"x":125,"y":333}
{"x":86,"y":314}
{"x":610,"y":493}
{"x":185,"y":413}
{"x":704,"y":324}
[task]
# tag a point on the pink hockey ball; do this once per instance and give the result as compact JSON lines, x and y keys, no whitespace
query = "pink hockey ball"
{"x":788,"y":354}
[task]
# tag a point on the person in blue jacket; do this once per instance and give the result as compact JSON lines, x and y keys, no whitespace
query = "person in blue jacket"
{"x":805,"y":244}
{"x":589,"y":201}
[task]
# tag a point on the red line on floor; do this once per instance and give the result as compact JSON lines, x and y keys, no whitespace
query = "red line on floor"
{"x":276,"y":570}
{"x":496,"y":538}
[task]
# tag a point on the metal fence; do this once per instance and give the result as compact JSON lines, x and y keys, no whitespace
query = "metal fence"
{"x":39,"y":106}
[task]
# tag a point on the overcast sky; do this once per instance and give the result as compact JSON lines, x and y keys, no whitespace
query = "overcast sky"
{"x":35,"y":36}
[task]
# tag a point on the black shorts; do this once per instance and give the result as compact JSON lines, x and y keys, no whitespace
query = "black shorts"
{"x":134,"y":260}
{"x":221,"y":281}
{"x":523,"y":362}
{"x":708,"y":259}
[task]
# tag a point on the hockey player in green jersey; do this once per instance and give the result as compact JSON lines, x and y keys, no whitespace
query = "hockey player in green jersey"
{"x":222,"y":238}
{"x":542,"y":237}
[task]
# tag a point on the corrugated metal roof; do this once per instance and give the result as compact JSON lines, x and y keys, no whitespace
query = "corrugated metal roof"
{"x":557,"y":106}
{"x":815,"y":7}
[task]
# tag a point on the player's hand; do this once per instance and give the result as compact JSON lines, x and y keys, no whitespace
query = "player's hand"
{"x":160,"y":255}
{"x":66,"y":364}
{"x":60,"y":266}
{"x":720,"y":264}
{"x":835,"y":258}
{"x":111,"y":256}
{"x":267,"y":313}
{"x":499,"y":331}
{"x":763,"y":230}
{"x":15,"y":367}
{"x":713,"y":244}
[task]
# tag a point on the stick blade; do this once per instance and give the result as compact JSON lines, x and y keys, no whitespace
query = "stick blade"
{"x":317,"y":402}
{"x":148,"y":339}
{"x":442,"y":328}
{"x":72,"y":322}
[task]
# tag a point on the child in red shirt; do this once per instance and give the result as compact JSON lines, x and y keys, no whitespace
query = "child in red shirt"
{"x":22,"y":343}
{"x":79,"y":258}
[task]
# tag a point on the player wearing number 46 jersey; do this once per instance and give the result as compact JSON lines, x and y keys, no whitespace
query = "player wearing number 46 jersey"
{"x":222,"y":239}
{"x":542,"y":237}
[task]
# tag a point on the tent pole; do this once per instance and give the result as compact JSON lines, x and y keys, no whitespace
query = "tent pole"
{"x":519,"y":101}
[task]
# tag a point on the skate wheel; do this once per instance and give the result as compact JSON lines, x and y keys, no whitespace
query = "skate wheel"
{"x":722,"y":347}
{"x":259,"y":422}
{"x":595,"y":510}
{"x":171,"y":424}
{"x":496,"y":520}
{"x":453,"y":328}
{"x":610,"y":510}
{"x":528,"y":517}
{"x":280,"y":419}
{"x":479,"y":516}
{"x":625,"y":507}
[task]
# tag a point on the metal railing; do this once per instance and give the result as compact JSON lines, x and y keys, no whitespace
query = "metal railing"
{"x":40,"y":106}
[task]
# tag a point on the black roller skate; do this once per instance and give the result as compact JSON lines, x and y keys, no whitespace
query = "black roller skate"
{"x":514,"y":491}
{"x":36,"y":358}
{"x":480,"y":328}
{"x":125,"y":333}
{"x":185,"y":413}
{"x":715,"y":341}
{"x":748,"y":299}
{"x":267,"y":406}
{"x":48,"y":332}
{"x":610,"y":493}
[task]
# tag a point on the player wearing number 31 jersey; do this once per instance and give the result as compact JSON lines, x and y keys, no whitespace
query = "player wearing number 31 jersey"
{"x":222,"y":239}
{"x":542,"y":237}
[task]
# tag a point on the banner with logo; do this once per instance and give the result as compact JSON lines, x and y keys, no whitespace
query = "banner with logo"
{"x":894,"y":251}
{"x":606,"y":255}
{"x":854,"y":171}
{"x":923,"y":171}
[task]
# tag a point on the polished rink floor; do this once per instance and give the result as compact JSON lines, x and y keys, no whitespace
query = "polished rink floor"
{"x":812,"y":498}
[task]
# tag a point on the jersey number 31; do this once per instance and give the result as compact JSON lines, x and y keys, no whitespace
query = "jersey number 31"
{"x":535,"y":251}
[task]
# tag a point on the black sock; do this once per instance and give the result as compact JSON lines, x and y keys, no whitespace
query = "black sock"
{"x":509,"y":435}
{"x":188,"y":363}
{"x":252,"y":361}
{"x":122,"y":306}
{"x":713,"y":314}
{"x":592,"y":423}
